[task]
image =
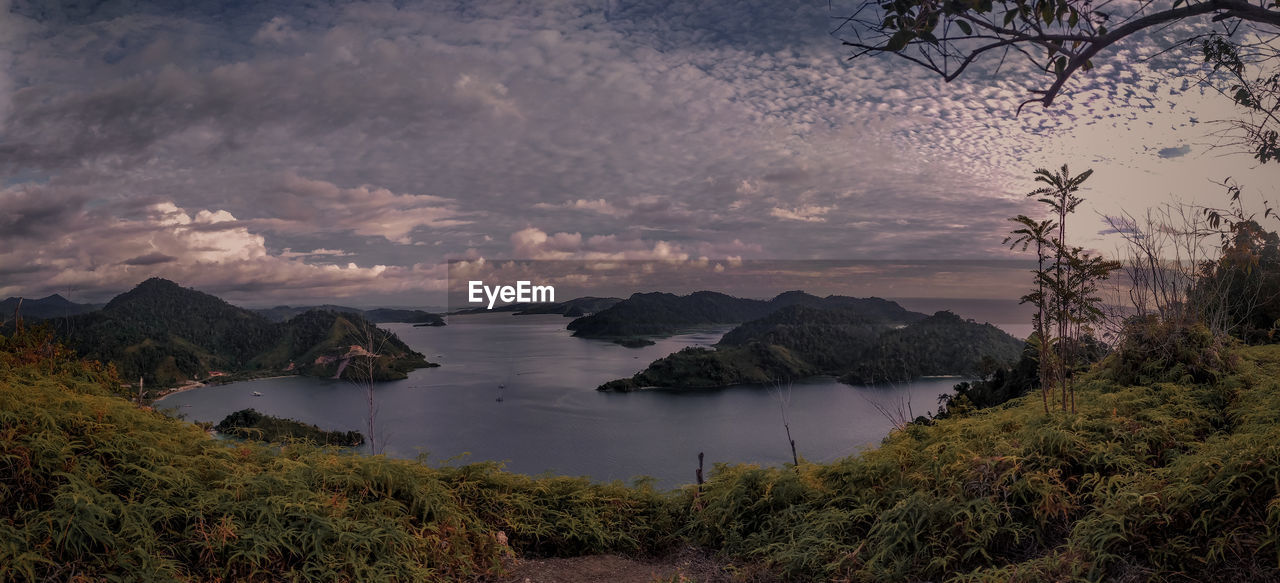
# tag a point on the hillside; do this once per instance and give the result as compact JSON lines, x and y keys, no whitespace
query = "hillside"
{"x":318,"y":342}
{"x":1168,"y":481}
{"x":942,"y":344}
{"x":660,"y":314}
{"x":53,"y":306}
{"x":376,"y":316}
{"x":799,"y":341}
{"x":167,"y":334}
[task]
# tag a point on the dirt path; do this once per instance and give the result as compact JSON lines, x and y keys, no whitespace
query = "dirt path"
{"x":688,"y":566}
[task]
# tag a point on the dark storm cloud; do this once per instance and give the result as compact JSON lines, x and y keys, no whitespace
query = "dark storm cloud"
{"x":150,"y":259}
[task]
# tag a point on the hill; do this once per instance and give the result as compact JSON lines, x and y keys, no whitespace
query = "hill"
{"x":377,"y":315}
{"x":800,"y":341}
{"x":660,"y":314}
{"x":1167,"y":480}
{"x":54,"y":306}
{"x":167,"y":335}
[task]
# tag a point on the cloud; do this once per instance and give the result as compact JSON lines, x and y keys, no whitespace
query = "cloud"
{"x":303,"y":205}
{"x":1174,"y":151}
{"x":276,"y":31}
{"x":290,"y":253}
{"x":402,"y":135}
{"x":807,"y":213}
{"x":533,"y":243}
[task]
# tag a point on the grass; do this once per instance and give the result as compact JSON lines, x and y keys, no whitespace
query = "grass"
{"x":1157,"y":482}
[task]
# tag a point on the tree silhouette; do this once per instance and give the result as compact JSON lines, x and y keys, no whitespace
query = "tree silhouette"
{"x":1061,"y":38}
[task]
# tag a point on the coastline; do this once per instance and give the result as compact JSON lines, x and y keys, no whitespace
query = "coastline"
{"x":197,"y":385}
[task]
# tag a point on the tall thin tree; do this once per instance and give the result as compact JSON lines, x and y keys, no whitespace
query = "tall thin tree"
{"x":1037,"y":233}
{"x":1060,"y":195}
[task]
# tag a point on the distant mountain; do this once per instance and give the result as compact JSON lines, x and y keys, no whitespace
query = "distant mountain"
{"x":168,"y":334}
{"x":661,"y":314}
{"x":377,"y":316}
{"x":800,"y":341}
{"x":54,"y":306}
{"x":391,"y":315}
{"x":574,"y":308}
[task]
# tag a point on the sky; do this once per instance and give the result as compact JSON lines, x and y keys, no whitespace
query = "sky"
{"x":282,"y":152}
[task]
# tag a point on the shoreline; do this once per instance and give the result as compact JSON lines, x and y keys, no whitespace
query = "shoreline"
{"x":199,"y":385}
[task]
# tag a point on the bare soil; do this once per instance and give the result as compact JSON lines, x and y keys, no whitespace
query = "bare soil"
{"x":685,"y":566}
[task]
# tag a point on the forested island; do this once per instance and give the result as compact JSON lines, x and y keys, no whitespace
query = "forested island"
{"x":250,"y":424}
{"x":846,"y":341}
{"x":167,"y":335}
{"x":663,"y":314}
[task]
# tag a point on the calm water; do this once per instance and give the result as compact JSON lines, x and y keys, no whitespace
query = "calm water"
{"x":551,"y":418}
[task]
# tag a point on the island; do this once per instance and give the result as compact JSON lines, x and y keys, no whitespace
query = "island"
{"x":853,"y":345}
{"x":664,"y":314}
{"x":250,"y":424}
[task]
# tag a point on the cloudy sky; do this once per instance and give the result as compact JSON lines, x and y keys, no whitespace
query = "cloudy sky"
{"x":278,"y":152}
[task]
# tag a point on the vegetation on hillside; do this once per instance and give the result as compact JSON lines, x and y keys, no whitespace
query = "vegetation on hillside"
{"x":95,"y":488}
{"x":167,"y":335}
{"x":377,"y":315}
{"x":799,"y":341}
{"x":660,"y":314}
{"x":1167,"y":481}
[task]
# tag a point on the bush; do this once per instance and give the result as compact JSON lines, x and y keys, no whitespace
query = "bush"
{"x":1152,"y":350}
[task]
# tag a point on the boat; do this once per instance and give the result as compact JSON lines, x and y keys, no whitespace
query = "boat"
{"x":257,"y":394}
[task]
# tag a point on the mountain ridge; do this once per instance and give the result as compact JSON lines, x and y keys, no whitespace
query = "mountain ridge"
{"x":167,"y":335}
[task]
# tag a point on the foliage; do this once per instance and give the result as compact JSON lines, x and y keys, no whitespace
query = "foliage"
{"x":318,"y":341}
{"x":799,"y":341}
{"x":1253,"y":88}
{"x":1066,"y":285}
{"x":997,"y":387}
{"x":942,"y":344}
{"x":93,"y":488}
{"x":1167,"y":482}
{"x":1171,"y":481}
{"x":1061,"y":38}
{"x":167,"y":335}
{"x":250,"y":424}
{"x":1153,"y":350}
{"x":1244,"y":282}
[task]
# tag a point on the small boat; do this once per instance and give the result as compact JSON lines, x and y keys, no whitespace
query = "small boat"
{"x":257,"y":394}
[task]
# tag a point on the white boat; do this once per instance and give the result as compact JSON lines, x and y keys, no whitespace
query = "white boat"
{"x":257,"y":394}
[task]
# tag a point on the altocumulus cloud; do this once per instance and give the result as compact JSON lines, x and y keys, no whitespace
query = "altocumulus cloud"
{"x":214,"y":144}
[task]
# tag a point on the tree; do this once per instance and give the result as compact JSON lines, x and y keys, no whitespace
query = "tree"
{"x":1066,"y":290}
{"x":1039,"y":233}
{"x":1061,"y":38}
{"x":364,"y":359}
